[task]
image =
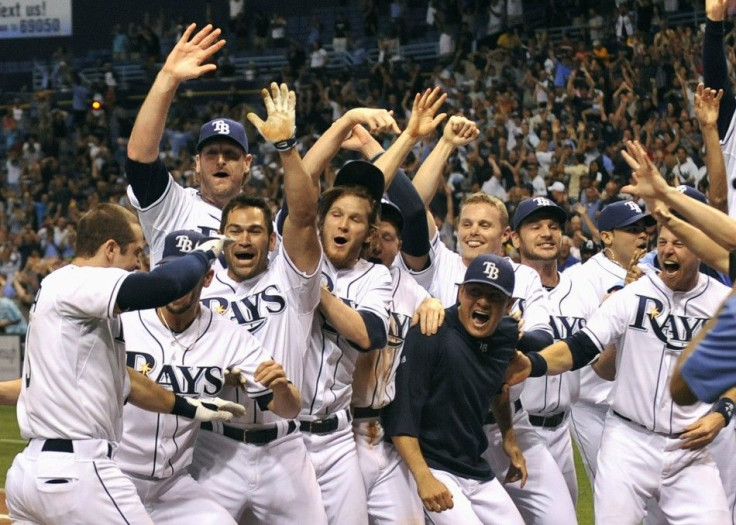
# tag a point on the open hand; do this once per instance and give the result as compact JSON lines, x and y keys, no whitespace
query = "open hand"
{"x":280,"y":123}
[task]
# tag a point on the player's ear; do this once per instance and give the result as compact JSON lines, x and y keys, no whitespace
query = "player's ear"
{"x":197,"y":168}
{"x":506,"y":235}
{"x":109,"y":248}
{"x":514,"y":239}
{"x":208,"y":277}
{"x":272,"y":242}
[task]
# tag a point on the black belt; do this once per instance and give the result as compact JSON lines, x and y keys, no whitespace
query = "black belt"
{"x":65,"y":445}
{"x":491,"y":419}
{"x":366,"y":412}
{"x":547,"y":421}
{"x":322,"y":426}
{"x":665,"y":434}
{"x":256,"y":436}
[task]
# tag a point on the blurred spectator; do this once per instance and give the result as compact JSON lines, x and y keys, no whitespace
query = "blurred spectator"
{"x":12,"y":321}
{"x":340,"y":34}
{"x":277,"y":27}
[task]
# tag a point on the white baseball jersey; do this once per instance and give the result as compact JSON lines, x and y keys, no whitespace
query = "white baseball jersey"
{"x":276,"y":307}
{"x":728,"y":144}
{"x":373,"y":379}
{"x":74,"y":375}
{"x":551,"y":394}
{"x":651,"y":325}
{"x":191,"y":364}
{"x":177,"y":209}
{"x":330,"y":363}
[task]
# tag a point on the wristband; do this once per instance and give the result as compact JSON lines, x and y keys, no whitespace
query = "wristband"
{"x":285,"y":145}
{"x":724,"y":407}
{"x":183,"y":408}
{"x":539,"y":364}
{"x":375,"y":157}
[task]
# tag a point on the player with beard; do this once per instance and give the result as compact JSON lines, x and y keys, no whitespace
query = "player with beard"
{"x":537,"y":234}
{"x":187,"y":348}
{"x":650,"y":322}
{"x":352,"y":319}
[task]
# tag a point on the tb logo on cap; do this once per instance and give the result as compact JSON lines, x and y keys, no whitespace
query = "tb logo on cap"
{"x":184,"y":244}
{"x":543,"y":201}
{"x":221,"y":127}
{"x":633,"y":206}
{"x":490,"y":270}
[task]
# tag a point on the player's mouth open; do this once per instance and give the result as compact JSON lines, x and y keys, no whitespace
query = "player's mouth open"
{"x":670,"y":267}
{"x":340,"y":241}
{"x":245,"y":256}
{"x":480,"y":318}
{"x":475,"y":243}
{"x":220,"y":175}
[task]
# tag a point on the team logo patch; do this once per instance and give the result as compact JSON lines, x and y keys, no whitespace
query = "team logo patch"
{"x":221,"y":127}
{"x":490,"y":270}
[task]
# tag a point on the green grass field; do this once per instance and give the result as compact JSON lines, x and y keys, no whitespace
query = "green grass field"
{"x":11,"y":443}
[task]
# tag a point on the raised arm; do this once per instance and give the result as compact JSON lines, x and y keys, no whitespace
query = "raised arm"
{"x":301,"y":191}
{"x":187,"y":60}
{"x":707,"y":102}
{"x":715,"y":70}
{"x":649,"y":184}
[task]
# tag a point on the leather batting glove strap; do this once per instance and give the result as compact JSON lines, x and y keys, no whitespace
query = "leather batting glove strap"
{"x":285,"y":145}
{"x":212,"y":409}
{"x":214,"y":246}
{"x":539,"y":364}
{"x":724,"y":407}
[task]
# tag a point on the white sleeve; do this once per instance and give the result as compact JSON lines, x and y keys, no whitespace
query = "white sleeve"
{"x":535,"y":306}
{"x":93,"y":293}
{"x":608,"y":323}
{"x":376,"y":298}
{"x":302,"y":290}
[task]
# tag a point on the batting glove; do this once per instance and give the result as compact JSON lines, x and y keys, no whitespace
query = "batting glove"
{"x":208,"y":409}
{"x":215,"y":245}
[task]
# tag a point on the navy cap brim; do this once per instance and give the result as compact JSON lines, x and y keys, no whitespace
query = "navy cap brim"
{"x":362,"y":173}
{"x":648,"y":221}
{"x":558,"y":213}
{"x":201,"y":144}
{"x":497,"y":287}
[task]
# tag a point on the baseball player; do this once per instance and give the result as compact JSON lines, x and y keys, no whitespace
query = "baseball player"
{"x":275,"y":301}
{"x":622,"y":227}
{"x":716,"y":77}
{"x":650,"y":321}
{"x":74,"y":376}
{"x":352,"y":319}
{"x":475,"y":343}
{"x":537,"y":233}
{"x":482,"y":228}
{"x":391,"y":492}
{"x":187,"y":349}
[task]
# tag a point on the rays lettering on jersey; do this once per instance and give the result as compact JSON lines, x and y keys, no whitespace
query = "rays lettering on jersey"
{"x":191,"y":380}
{"x":250,"y":311}
{"x":675,"y":331}
{"x":563,"y":326}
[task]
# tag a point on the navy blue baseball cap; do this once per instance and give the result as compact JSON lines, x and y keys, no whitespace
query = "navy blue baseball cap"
{"x":535,"y":205}
{"x":692,"y":193}
{"x":223,"y":128}
{"x":622,"y":214}
{"x":491,"y":270}
{"x":390,"y":212}
{"x":361,"y":173}
{"x":179,"y":243}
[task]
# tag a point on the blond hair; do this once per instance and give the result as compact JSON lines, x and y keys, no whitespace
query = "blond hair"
{"x":494,"y":202}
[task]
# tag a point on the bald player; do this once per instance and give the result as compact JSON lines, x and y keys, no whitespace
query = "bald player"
{"x":74,"y":376}
{"x":537,"y":234}
{"x":187,"y":348}
{"x":482,"y":228}
{"x":651,"y":447}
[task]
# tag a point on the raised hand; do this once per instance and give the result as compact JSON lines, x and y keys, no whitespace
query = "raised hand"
{"x":423,"y":121}
{"x":648,"y":182}
{"x":716,"y":9}
{"x":460,"y":131}
{"x":280,"y":123}
{"x":375,"y":120}
{"x":707,"y":103}
{"x":633,"y":272}
{"x":187,"y":58}
{"x":358,"y":139}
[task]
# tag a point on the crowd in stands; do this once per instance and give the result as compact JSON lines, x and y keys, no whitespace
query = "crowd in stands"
{"x":553,"y":114}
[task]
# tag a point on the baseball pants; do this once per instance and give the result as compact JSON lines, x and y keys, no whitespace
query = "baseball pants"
{"x":559,"y":444}
{"x":545,"y":499}
{"x":475,"y":503}
{"x":272,"y":483}
{"x":180,"y":499}
{"x":390,"y":487}
{"x":587,"y":422}
{"x":49,"y":483}
{"x":635,"y":464}
{"x":335,"y":461}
